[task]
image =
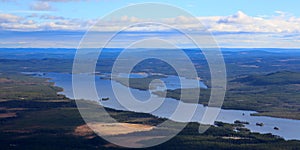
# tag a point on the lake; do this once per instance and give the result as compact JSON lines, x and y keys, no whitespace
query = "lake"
{"x":288,"y":128}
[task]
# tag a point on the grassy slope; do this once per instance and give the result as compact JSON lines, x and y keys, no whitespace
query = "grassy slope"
{"x":17,"y":86}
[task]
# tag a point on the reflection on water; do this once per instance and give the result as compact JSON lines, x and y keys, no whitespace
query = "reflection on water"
{"x":288,"y":128}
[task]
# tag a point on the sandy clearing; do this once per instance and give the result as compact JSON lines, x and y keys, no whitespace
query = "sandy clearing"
{"x":117,"y":132}
{"x":109,"y":129}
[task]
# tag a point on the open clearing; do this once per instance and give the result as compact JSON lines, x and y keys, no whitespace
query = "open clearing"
{"x":108,"y":129}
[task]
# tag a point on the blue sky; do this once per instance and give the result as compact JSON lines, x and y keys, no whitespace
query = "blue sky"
{"x":234,"y":23}
{"x":89,"y":9}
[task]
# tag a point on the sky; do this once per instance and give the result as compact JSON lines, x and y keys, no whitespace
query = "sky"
{"x":233,"y":23}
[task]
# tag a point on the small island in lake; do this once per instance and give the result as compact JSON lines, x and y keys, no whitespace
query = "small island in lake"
{"x":260,"y":124}
{"x":105,"y":98}
{"x":241,"y":122}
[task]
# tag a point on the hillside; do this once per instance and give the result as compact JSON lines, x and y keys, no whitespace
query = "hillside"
{"x":278,"y":78}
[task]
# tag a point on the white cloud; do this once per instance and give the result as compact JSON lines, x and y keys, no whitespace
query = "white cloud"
{"x":51,"y":17}
{"x":17,"y":27}
{"x":41,"y":6}
{"x":239,"y":22}
{"x":237,"y":30}
{"x":45,"y":16}
{"x":9,"y":18}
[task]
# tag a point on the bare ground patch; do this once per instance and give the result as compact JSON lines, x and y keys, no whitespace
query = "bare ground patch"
{"x":118,"y":132}
{"x":110,"y":129}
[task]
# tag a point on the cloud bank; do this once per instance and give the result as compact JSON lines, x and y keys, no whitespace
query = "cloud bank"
{"x":239,"y":22}
{"x":237,"y":30}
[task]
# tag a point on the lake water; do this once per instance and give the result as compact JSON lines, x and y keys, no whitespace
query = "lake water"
{"x":288,"y":128}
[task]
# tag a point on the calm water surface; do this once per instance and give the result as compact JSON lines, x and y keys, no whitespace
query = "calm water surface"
{"x":288,"y":128}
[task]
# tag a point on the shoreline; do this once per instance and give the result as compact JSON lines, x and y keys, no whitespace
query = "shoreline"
{"x":197,"y":122}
